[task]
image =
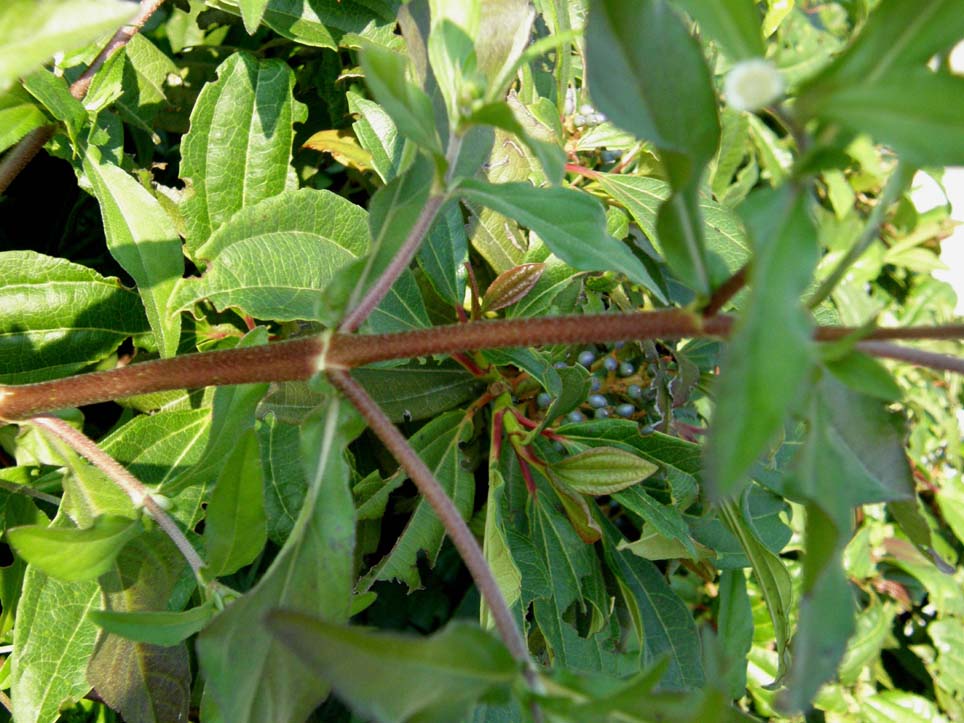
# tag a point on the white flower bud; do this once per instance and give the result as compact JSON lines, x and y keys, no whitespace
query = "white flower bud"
{"x":752,"y":84}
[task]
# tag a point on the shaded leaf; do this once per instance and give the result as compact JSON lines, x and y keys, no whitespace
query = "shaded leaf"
{"x":71,"y":553}
{"x":164,"y":628}
{"x":395,"y":677}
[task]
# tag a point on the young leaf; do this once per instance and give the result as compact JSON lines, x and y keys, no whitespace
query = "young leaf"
{"x":251,"y":676}
{"x":443,"y":254}
{"x":235,"y":529}
{"x":342,"y":146}
{"x":510,"y":286}
{"x":572,"y":225}
{"x":602,"y":470}
{"x":495,"y":547}
{"x":164,"y":628}
{"x":31,"y":33}
{"x":409,"y":107}
{"x":758,"y":386}
{"x":237,"y":151}
{"x":71,"y":553}
{"x":143,"y":240}
{"x":377,"y":133}
{"x":393,"y":677}
{"x":54,"y":95}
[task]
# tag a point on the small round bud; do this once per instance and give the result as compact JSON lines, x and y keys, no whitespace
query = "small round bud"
{"x":586,"y":357}
{"x":597,"y":401}
{"x":543,"y":400}
{"x":576,"y":417}
{"x":586,"y":109}
{"x":601,"y":414}
{"x":625,"y":410}
{"x":610,"y":364}
{"x":579,"y":120}
{"x":626,"y":369}
{"x":752,"y":84}
{"x":634,"y":391}
{"x":560,"y":365}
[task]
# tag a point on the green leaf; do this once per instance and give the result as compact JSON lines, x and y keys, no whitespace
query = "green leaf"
{"x":758,"y":386}
{"x":864,"y":374}
{"x":647,"y":42}
{"x":285,"y":485}
{"x":33,"y":32}
{"x":321,"y":24}
{"x":143,"y":682}
{"x":251,"y":676}
{"x":377,"y":133}
{"x":851,"y":437}
{"x":572,"y":224}
{"x":439,"y":444}
{"x":52,"y":642}
{"x":661,"y":620}
{"x":273,"y":260}
{"x":772,"y":577}
{"x":451,"y":53}
{"x":727,"y":245}
{"x":237,"y":151}
{"x":136,"y":82}
{"x":895,"y":37}
{"x":19,"y":115}
{"x":393,"y":677}
{"x":443,"y":254}
{"x":235,"y":529}
{"x":665,"y":519}
{"x":735,"y":628}
{"x":402,"y":309}
{"x":495,"y":548}
{"x":416,"y":391}
{"x":251,"y":12}
{"x":916,"y":112}
{"x":54,"y":95}
{"x":232,"y":415}
{"x":826,"y":611}
{"x":601,"y":470}
{"x":57,"y":317}
{"x":734,"y":25}
{"x":162,"y":628}
{"x":71,"y":553}
{"x":500,"y":115}
{"x":408,"y":105}
{"x":143,"y":240}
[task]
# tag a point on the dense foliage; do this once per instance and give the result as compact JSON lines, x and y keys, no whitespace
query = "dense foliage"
{"x":733,"y":516}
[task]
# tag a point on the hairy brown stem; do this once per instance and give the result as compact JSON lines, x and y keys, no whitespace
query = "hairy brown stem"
{"x":452,"y":521}
{"x":356,"y":315}
{"x":301,"y":358}
{"x":29,"y":146}
{"x":139,"y":494}
{"x":726,"y":291}
{"x":283,"y":361}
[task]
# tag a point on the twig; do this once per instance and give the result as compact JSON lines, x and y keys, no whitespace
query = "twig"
{"x":139,"y":494}
{"x":919,"y":357}
{"x":6,"y":702}
{"x":300,"y":359}
{"x":28,"y":491}
{"x":29,"y":146}
{"x":726,"y":291}
{"x":895,"y":184}
{"x":354,"y":318}
{"x":451,"y":520}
